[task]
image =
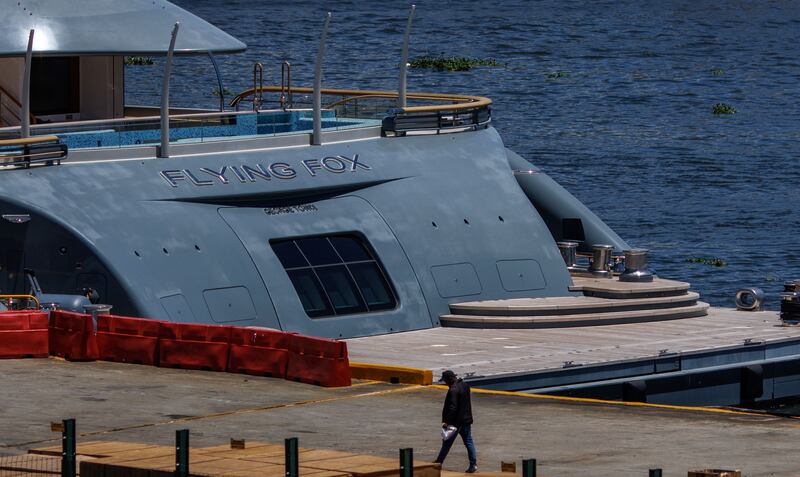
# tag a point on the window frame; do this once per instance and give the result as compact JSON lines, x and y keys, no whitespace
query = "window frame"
{"x":372,"y":258}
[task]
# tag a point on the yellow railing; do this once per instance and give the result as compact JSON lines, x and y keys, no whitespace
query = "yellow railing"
{"x":30,"y":298}
{"x":452,"y":102}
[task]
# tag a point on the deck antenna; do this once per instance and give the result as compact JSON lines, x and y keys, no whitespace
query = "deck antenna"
{"x":316,"y":139}
{"x":219,"y":82}
{"x":164,"y":150}
{"x":25,"y":121}
{"x":401,"y":94}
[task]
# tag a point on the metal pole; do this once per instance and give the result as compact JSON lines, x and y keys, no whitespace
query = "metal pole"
{"x":316,"y":139}
{"x":165,"y":94}
{"x":25,"y":120}
{"x":68,"y":449}
{"x":407,"y":462}
{"x":290,"y":457}
{"x":401,"y":95}
{"x":219,"y":82}
{"x":529,"y":468}
{"x":182,"y":453}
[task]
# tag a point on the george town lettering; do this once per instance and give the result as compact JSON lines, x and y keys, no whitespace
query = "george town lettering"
{"x":207,"y":176}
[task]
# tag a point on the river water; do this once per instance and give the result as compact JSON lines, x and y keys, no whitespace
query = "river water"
{"x":613,"y":99}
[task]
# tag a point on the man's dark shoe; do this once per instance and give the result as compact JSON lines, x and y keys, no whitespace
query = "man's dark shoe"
{"x":472,"y":469}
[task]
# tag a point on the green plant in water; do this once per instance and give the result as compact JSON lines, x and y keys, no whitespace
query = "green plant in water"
{"x":138,"y":61}
{"x":714,"y":262}
{"x":456,"y":63}
{"x":225,"y":91}
{"x":722,"y":108}
{"x":557,"y":74}
{"x":717,"y":71}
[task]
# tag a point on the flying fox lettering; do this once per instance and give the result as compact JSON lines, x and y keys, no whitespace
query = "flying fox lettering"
{"x":246,"y":173}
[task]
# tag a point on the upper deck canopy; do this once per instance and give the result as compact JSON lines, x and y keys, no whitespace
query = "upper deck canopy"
{"x":106,"y":27}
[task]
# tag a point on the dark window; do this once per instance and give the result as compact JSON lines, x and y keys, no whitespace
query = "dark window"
{"x":335,"y":275}
{"x":55,"y":85}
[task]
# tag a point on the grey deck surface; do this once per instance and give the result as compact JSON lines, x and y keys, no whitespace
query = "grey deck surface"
{"x":490,"y":352}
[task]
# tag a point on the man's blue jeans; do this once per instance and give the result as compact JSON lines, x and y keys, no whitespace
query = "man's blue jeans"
{"x":466,"y":435}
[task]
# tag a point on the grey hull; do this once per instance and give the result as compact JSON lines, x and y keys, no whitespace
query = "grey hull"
{"x":443,"y":213}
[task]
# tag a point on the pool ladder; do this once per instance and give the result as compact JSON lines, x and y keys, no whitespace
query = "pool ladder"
{"x":258,"y":85}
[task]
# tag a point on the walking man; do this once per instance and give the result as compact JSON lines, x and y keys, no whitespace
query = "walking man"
{"x":457,"y":412}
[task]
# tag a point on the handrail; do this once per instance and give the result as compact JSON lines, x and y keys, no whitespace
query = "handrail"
{"x":4,"y":92}
{"x":29,"y":297}
{"x":460,"y":101}
{"x":27,"y":141}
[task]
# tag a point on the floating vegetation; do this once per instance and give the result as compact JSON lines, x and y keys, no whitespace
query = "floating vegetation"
{"x":138,"y":61}
{"x":456,"y":63}
{"x":722,"y":108}
{"x":225,"y":91}
{"x":557,"y":74}
{"x":717,"y":71}
{"x":714,"y":262}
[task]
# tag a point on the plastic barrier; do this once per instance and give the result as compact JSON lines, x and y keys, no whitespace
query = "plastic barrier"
{"x":72,"y":336}
{"x":258,"y":351}
{"x":191,"y":346}
{"x":318,"y":361}
{"x":23,"y":335}
{"x":128,"y":340}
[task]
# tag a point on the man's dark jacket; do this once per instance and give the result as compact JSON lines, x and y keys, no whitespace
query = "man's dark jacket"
{"x":457,"y":409}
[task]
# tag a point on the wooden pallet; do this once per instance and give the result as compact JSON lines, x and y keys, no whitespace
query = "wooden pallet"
{"x":125,"y":459}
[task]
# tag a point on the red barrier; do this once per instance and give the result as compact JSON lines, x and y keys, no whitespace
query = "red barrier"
{"x":318,"y":361}
{"x":190,"y":346}
{"x":72,"y":336}
{"x":128,"y":340}
{"x":23,"y":335}
{"x":258,"y":351}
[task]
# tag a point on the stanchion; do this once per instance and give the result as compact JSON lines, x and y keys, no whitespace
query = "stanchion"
{"x":407,"y":462}
{"x":292,"y":461}
{"x":182,"y":453}
{"x":68,"y":448}
{"x":529,"y":468}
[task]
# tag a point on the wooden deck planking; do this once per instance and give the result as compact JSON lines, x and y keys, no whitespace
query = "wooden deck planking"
{"x":487,"y":352}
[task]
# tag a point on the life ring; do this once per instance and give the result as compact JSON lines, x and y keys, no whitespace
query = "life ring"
{"x":749,"y":299}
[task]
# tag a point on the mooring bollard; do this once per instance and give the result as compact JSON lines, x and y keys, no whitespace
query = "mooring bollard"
{"x":654,"y":473}
{"x":182,"y":453}
{"x":601,"y":256}
{"x":529,"y":468}
{"x":291,"y":459}
{"x":68,"y":448}
{"x":407,"y":462}
{"x":569,"y":252}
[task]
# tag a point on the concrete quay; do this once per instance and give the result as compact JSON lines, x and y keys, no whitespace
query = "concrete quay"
{"x":568,"y":437}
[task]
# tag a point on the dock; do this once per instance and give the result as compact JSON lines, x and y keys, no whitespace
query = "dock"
{"x":143,"y":404}
{"x":651,"y":342}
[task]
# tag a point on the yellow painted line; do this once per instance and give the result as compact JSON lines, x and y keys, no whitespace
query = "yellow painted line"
{"x":391,"y":374}
{"x":616,"y":403}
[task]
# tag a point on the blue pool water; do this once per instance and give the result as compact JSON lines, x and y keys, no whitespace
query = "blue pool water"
{"x":612,"y":98}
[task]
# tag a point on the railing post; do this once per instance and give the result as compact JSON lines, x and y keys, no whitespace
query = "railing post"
{"x":219,"y":82}
{"x":316,"y":138}
{"x":290,"y":458}
{"x":182,"y":453}
{"x":165,"y":94}
{"x":68,"y":449}
{"x":407,"y":462}
{"x":654,"y":473}
{"x":25,"y":120}
{"x":401,"y":93}
{"x":529,"y":468}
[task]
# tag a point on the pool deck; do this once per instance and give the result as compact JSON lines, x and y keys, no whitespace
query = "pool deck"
{"x":497,"y":352}
{"x":121,"y":402}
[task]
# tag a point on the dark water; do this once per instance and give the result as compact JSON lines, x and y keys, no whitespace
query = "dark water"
{"x":627,"y":128}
